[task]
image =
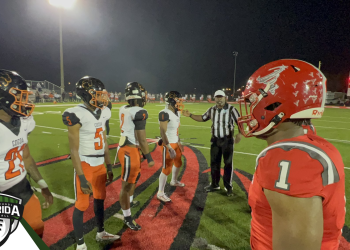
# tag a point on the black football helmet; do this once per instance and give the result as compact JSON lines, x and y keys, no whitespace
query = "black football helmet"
{"x":14,"y":95}
{"x":135,"y":92}
{"x":92,"y":91}
{"x":174,"y":99}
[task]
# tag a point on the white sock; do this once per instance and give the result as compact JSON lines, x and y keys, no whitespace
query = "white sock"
{"x":131,"y":198}
{"x":162,"y":181}
{"x":127,"y":212}
{"x":175,"y":175}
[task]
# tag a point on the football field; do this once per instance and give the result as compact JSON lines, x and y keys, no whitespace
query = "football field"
{"x":193,"y":218}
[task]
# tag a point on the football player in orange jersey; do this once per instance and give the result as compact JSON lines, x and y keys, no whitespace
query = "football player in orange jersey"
{"x":16,"y":123}
{"x":133,"y":119}
{"x":169,"y":123}
{"x":297,"y":194}
{"x":89,"y":151}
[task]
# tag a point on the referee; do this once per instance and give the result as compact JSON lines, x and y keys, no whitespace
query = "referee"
{"x":223,"y":116}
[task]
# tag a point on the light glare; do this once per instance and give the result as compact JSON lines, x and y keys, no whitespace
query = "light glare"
{"x":66,"y":4}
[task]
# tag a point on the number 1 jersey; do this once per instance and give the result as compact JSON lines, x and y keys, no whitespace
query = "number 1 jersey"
{"x":304,"y":166}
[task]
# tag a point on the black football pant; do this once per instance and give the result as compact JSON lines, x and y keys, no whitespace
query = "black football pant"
{"x":221,"y":147}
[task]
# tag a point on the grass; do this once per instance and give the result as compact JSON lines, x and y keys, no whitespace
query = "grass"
{"x":225,"y":221}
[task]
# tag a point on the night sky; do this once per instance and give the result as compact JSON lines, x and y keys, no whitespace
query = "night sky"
{"x":171,"y":45}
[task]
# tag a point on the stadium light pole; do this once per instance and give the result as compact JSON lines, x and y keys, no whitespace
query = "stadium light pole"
{"x":62,"y":4}
{"x":235,"y":53}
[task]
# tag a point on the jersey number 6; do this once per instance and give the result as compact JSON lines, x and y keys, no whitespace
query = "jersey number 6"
{"x":98,"y":145}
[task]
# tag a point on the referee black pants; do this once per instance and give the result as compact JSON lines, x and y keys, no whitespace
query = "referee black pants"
{"x":221,"y":147}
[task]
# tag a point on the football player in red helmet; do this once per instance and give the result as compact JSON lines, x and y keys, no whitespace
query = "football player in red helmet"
{"x":297,"y":194}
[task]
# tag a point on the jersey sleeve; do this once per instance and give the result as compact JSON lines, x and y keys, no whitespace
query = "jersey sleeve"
{"x":235,"y":115}
{"x":206,"y":115}
{"x":163,"y":116}
{"x":140,"y":119}
{"x":70,"y":118}
{"x":31,"y":124}
{"x":108,"y":113}
{"x":294,"y":173}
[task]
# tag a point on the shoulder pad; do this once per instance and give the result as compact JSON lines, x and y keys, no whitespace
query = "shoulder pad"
{"x":163,"y":116}
{"x":141,"y":115}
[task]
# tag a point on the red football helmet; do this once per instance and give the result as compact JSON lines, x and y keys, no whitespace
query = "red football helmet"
{"x":280,"y":90}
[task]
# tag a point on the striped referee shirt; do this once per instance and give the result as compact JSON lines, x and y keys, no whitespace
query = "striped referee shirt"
{"x":223,"y":120}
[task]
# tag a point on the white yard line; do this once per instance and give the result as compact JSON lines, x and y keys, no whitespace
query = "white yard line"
{"x":336,"y":117}
{"x":345,"y":141}
{"x":54,"y":105}
{"x":51,"y":128}
{"x":58,"y":196}
{"x":328,"y":121}
{"x":119,"y":216}
{"x":46,"y":132}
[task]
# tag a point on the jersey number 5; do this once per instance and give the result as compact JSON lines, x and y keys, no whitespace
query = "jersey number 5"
{"x":282,"y":182}
{"x":11,"y":156}
{"x":98,"y":135}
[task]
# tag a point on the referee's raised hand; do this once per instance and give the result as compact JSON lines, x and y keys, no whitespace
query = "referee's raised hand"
{"x":186,"y":113}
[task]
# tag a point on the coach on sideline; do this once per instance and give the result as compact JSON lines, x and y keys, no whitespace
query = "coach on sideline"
{"x":224,"y":116}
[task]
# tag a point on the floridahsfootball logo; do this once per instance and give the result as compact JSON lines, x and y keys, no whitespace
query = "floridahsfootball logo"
{"x":11,"y":211}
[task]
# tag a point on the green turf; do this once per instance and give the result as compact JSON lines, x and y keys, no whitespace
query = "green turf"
{"x":225,"y":221}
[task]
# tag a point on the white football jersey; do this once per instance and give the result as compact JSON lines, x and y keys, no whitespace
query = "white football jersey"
{"x":173,"y":125}
{"x":91,"y":142}
{"x":128,"y":116}
{"x":13,"y":141}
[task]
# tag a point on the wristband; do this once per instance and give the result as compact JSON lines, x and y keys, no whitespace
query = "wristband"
{"x":42,"y":183}
{"x":168,"y":146}
{"x":109,"y":167}
{"x":83,"y":181}
{"x":190,"y":115}
{"x":148,"y":157}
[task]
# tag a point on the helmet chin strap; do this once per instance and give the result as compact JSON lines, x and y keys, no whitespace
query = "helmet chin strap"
{"x":273,"y":122}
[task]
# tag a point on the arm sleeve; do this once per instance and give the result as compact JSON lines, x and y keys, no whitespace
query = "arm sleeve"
{"x":70,"y":119}
{"x":140,"y":119}
{"x":206,"y":115}
{"x":163,"y":116}
{"x":292,"y":173}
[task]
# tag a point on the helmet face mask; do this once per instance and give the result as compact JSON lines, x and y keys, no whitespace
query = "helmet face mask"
{"x":14,"y":95}
{"x":99,"y":99}
{"x":174,"y":99}
{"x":280,"y":90}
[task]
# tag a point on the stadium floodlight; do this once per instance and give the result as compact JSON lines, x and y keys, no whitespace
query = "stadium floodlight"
{"x":62,"y":4}
{"x":65,"y":4}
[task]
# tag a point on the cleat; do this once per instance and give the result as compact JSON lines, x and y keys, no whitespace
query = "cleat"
{"x":128,"y":221}
{"x":104,"y":236}
{"x":229,"y":192}
{"x":134,"y":204}
{"x":82,"y":247}
{"x":177,"y":184}
{"x":210,"y":188}
{"x":163,"y":198}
